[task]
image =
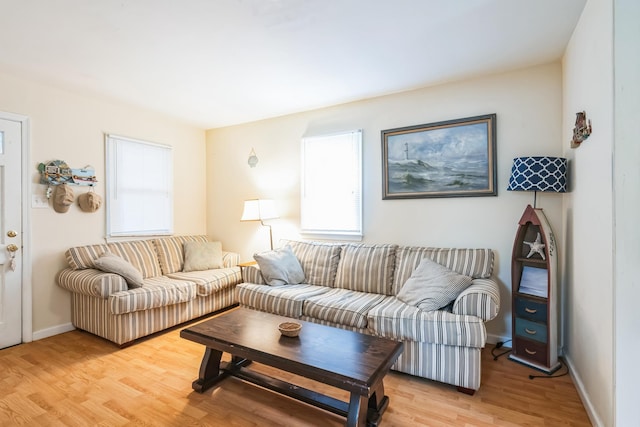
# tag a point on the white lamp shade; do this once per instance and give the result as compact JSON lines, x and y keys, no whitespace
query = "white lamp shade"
{"x":258,"y":210}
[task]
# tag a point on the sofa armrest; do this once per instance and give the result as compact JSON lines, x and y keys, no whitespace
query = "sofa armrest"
{"x":252,"y":274}
{"x":230,"y":259}
{"x":481,"y":299}
{"x":91,"y":282}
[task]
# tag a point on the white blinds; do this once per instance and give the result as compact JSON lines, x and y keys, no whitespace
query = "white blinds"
{"x":331,"y":194}
{"x":139,"y":187}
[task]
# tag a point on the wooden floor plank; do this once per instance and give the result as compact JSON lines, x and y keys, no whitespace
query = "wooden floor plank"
{"x":77,"y":379}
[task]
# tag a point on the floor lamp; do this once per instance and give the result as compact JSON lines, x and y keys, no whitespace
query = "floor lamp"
{"x":260,"y":210}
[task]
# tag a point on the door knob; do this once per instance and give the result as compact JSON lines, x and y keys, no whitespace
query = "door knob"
{"x":11,"y":233}
{"x":12,"y":248}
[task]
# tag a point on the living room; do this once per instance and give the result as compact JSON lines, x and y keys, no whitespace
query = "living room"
{"x":535,"y":107}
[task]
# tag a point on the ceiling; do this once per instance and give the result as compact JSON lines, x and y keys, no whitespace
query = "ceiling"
{"x":215,"y":63}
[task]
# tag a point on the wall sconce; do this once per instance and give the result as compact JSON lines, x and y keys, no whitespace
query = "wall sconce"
{"x":253,"y":159}
{"x":259,"y":210}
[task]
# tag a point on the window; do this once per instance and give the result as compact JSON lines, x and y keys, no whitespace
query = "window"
{"x":331,"y":199}
{"x":139,"y":188}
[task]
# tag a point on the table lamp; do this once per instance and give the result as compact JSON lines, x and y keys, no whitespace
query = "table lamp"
{"x":538,"y":174}
{"x":260,"y":210}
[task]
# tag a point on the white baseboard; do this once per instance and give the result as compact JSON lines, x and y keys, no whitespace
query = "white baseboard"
{"x":54,"y":330}
{"x":493,"y":339}
{"x":591,"y":412}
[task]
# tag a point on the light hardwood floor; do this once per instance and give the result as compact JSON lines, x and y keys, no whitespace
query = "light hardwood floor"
{"x":77,"y":379}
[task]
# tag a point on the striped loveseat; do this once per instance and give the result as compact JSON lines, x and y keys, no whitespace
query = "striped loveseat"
{"x":354,"y":286}
{"x":103,"y":303}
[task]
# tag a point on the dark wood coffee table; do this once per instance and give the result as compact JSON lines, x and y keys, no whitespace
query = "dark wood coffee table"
{"x":347,"y":360}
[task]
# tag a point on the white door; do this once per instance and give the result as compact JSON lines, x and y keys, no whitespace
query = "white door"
{"x":11,"y":233}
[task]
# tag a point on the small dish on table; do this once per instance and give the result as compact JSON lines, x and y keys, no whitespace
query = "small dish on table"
{"x":290,"y":329}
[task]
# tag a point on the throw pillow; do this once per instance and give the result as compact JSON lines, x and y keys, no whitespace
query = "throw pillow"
{"x":280,"y":267}
{"x":112,"y":263}
{"x":432,"y":286}
{"x":200,"y":256}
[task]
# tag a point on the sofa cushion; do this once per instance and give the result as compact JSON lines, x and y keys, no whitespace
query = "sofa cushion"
{"x":280,"y":267}
{"x":282,"y":300}
{"x":319,"y":260}
{"x":140,"y":253}
{"x":432,"y":286}
{"x":342,"y":306}
{"x":230,"y":259}
{"x":81,"y":257}
{"x":199,"y":256}
{"x":210,"y":281}
{"x":476,"y":263}
{"x":171,"y":251}
{"x":403,"y":322}
{"x":157,"y":292}
{"x":366,"y":268}
{"x":112,"y":263}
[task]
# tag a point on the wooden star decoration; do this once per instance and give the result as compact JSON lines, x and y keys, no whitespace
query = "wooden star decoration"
{"x":536,"y":247}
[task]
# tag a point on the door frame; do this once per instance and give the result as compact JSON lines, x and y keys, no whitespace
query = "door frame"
{"x":27,"y":289}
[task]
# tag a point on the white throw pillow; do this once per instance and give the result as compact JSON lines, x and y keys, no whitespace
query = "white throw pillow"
{"x":432,"y":286}
{"x":112,"y":263}
{"x":199,"y":256}
{"x":280,"y":267}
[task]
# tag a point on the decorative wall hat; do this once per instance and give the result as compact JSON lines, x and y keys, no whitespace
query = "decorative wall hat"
{"x":63,"y":198}
{"x":89,"y":202}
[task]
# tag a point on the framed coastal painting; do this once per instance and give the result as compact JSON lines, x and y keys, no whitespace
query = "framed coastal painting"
{"x":454,"y":158}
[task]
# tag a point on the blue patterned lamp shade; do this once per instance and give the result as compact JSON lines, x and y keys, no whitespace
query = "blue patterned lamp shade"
{"x":539,"y":174}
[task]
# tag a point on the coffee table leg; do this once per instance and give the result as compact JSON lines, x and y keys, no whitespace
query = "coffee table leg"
{"x":357,"y":415}
{"x":209,"y":371}
{"x":378,"y":403}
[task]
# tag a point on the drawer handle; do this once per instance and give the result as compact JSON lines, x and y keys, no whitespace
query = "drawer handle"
{"x":530,"y":352}
{"x":530,"y":310}
{"x":530,"y":332}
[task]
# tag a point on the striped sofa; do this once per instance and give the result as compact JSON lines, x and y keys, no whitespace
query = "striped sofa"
{"x":103,"y":304}
{"x":353,"y":286}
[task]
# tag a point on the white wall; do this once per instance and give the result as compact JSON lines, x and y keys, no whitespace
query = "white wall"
{"x":528,"y":108}
{"x":626,"y":207}
{"x":71,"y":127}
{"x":588,"y":308}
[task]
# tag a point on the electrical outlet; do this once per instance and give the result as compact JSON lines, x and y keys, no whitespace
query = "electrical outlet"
{"x":39,"y":201}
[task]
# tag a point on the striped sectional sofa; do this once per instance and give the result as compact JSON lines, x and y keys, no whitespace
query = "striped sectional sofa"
{"x":103,"y":304}
{"x":353,"y":286}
